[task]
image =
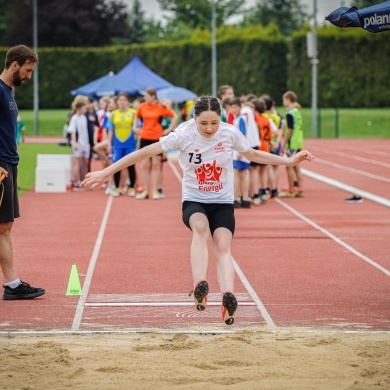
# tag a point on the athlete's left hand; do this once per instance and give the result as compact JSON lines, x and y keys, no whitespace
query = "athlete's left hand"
{"x":302,"y":156}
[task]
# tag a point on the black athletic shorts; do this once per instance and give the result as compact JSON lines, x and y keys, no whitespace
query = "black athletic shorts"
{"x":9,"y":202}
{"x":253,"y":163}
{"x":147,"y":142}
{"x":218,"y":214}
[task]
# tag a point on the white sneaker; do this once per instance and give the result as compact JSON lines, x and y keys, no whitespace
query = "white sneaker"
{"x":131,"y":191}
{"x":256,"y":201}
{"x":156,"y":195}
{"x":108,"y":189}
{"x":142,"y":195}
{"x":116,"y":192}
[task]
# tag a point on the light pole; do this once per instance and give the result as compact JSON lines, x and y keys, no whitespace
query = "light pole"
{"x":213,"y":51}
{"x":314,"y":62}
{"x":35,"y":76}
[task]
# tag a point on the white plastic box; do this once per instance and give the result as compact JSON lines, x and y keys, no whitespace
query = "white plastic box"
{"x":50,"y":179}
{"x":53,"y":172}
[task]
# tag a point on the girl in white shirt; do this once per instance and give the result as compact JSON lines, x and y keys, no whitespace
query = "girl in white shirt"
{"x":78,"y":128}
{"x":206,"y":156}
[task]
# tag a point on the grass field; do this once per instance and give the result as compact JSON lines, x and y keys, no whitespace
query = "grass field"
{"x":352,"y":123}
{"x":28,"y":159}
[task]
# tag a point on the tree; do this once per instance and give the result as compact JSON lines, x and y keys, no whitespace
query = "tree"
{"x":197,"y":13}
{"x":68,"y":23}
{"x":5,"y":16}
{"x":137,"y":22}
{"x":365,"y":3}
{"x":289,"y":15}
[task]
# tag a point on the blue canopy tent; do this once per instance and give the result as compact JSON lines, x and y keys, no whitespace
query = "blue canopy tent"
{"x":176,"y":94}
{"x":373,"y":19}
{"x":136,"y":71}
{"x":108,"y":85}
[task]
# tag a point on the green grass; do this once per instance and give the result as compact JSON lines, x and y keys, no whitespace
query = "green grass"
{"x":51,"y":122}
{"x":352,"y":123}
{"x":28,"y":160}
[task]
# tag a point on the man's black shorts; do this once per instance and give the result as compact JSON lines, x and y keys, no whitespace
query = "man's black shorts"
{"x":9,"y":202}
{"x":218,"y":214}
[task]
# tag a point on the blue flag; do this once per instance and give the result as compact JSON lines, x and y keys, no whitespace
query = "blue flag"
{"x":373,"y":19}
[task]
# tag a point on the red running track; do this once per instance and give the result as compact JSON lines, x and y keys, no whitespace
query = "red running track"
{"x":312,"y":262}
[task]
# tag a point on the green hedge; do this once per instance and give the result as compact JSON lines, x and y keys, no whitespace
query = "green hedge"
{"x":353,"y":69}
{"x":250,"y":62}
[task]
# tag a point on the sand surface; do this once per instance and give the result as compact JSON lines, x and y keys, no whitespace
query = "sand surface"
{"x":259,"y":358}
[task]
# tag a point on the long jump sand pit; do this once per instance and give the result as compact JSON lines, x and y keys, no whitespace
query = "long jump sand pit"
{"x":256,"y":358}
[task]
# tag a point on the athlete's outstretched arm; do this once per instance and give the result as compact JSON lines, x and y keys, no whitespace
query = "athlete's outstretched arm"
{"x":271,"y":159}
{"x":92,"y":179}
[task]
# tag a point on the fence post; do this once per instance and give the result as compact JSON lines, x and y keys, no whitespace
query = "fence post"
{"x":319,"y":123}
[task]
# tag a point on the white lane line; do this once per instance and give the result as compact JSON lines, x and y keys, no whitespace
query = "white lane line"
{"x":253,"y":294}
{"x":175,"y":171}
{"x":239,"y":272}
{"x":334,"y":238}
{"x":154,"y":331}
{"x":92,"y":263}
{"x":364,"y":150}
{"x":346,"y":187}
{"x":352,"y":157}
{"x":353,"y":170}
{"x":157,"y":304}
{"x":44,"y":333}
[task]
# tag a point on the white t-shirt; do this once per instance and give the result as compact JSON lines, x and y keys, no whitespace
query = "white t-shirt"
{"x":252,"y":131}
{"x":237,"y":124}
{"x":207,"y":163}
{"x":78,"y":123}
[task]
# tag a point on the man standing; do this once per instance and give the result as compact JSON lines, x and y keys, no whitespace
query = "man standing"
{"x":20,"y":62}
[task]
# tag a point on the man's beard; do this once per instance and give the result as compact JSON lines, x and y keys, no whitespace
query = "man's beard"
{"x":17,"y":80}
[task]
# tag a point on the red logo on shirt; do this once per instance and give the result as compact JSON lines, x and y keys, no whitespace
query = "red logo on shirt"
{"x":220,"y":148}
{"x":208,"y":172}
{"x":208,"y":176}
{"x":196,"y":150}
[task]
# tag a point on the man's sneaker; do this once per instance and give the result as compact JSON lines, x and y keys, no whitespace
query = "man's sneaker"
{"x":229,"y":307}
{"x":354,"y":199}
{"x":131,"y":191}
{"x":23,"y":291}
{"x":200,"y":295}
{"x":142,"y":195}
{"x":236,"y":204}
